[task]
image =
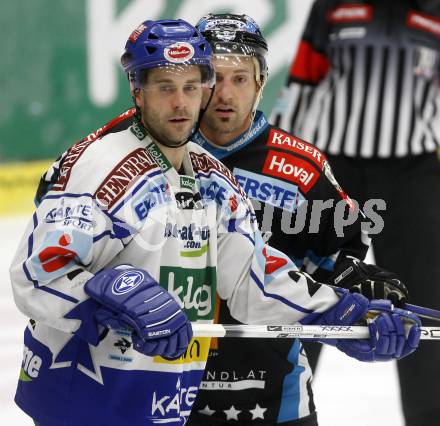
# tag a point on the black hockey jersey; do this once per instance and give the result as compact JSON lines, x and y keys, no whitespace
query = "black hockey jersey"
{"x":267,"y":381}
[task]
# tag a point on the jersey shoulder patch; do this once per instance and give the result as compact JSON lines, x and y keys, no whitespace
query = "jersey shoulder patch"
{"x":72,"y":155}
{"x":287,"y":142}
{"x":204,"y":163}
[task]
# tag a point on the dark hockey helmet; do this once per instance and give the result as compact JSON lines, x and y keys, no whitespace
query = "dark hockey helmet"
{"x":230,"y":34}
{"x":166,"y":43}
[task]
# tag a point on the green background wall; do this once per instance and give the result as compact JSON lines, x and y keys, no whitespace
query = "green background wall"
{"x":52,"y":91}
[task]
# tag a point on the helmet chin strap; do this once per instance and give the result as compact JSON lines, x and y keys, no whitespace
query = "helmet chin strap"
{"x":165,"y":142}
{"x":258,"y":97}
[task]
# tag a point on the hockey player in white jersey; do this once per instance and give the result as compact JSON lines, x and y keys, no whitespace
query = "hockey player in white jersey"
{"x":130,"y":243}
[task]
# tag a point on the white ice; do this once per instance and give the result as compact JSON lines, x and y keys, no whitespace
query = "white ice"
{"x":347,"y":392}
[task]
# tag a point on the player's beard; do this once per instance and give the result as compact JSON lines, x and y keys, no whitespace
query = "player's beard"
{"x":239,"y":121}
{"x":169,"y":134}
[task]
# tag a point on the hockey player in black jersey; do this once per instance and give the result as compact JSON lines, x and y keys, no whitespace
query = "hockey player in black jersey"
{"x":268,"y":381}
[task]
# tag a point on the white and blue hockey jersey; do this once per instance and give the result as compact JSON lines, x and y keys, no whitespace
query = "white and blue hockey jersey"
{"x":117,"y":200}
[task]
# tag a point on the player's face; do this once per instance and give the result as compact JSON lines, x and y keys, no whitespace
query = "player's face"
{"x":230,"y":111}
{"x":170,"y":102}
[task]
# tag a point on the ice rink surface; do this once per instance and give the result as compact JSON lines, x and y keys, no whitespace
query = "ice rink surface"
{"x":347,"y":392}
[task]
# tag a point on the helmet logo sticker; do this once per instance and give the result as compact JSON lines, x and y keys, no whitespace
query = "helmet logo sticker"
{"x":137,"y":32}
{"x":179,"y":52}
{"x":226,"y":35}
{"x":212,"y":25}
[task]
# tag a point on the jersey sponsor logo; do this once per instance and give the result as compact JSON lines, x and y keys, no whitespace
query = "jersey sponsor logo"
{"x":197,"y":351}
{"x":273,"y":263}
{"x":55,"y":257}
{"x":179,"y":52}
{"x":280,"y":139}
{"x":351,"y":13}
{"x":69,"y":213}
{"x":159,"y":158}
{"x":211,"y":189}
{"x":204,"y":163}
{"x":170,"y":407}
{"x":59,"y":251}
{"x":154,"y":194}
{"x":423,"y":22}
{"x":193,"y":289}
{"x":138,"y":130}
{"x":31,"y":365}
{"x":269,"y":190}
{"x":123,"y":344}
{"x":72,"y":156}
{"x":75,"y":152}
{"x":192,"y":232}
{"x":127,"y":282}
{"x":186,"y":200}
{"x":187,"y":182}
{"x":123,"y":176}
{"x":137,"y":32}
{"x":233,"y":380}
{"x":289,"y":167}
{"x":233,"y":203}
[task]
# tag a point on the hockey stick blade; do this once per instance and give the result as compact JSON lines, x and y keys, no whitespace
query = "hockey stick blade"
{"x":295,"y":331}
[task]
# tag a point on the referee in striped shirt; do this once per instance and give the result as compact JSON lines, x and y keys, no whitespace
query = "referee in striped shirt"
{"x":364,"y":87}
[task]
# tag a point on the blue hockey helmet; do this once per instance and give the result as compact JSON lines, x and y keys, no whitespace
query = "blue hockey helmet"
{"x":230,"y":34}
{"x":165,"y":43}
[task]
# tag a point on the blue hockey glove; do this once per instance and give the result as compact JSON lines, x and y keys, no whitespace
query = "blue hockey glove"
{"x":371,"y":281}
{"x":388,"y":337}
{"x":132,"y":299}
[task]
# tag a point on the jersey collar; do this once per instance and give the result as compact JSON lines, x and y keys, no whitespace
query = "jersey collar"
{"x":258,"y":126}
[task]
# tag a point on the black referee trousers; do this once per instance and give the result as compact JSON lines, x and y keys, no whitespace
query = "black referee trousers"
{"x":409,"y":245}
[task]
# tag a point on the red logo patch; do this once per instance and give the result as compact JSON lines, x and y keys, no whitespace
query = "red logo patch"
{"x":233,"y":203}
{"x":291,"y":168}
{"x":273,"y":262}
{"x":420,"y":21}
{"x":137,"y":32}
{"x":280,"y":139}
{"x":351,"y":13}
{"x":65,"y":240}
{"x":54,"y":258}
{"x":179,"y":52}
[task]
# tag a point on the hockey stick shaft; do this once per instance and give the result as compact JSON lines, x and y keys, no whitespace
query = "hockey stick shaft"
{"x":423,"y":312}
{"x":420,"y":311}
{"x":295,"y":331}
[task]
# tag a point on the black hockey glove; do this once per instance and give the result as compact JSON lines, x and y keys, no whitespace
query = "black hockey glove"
{"x":371,"y":281}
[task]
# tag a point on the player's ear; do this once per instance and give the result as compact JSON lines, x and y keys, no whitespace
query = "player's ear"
{"x":137,"y":97}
